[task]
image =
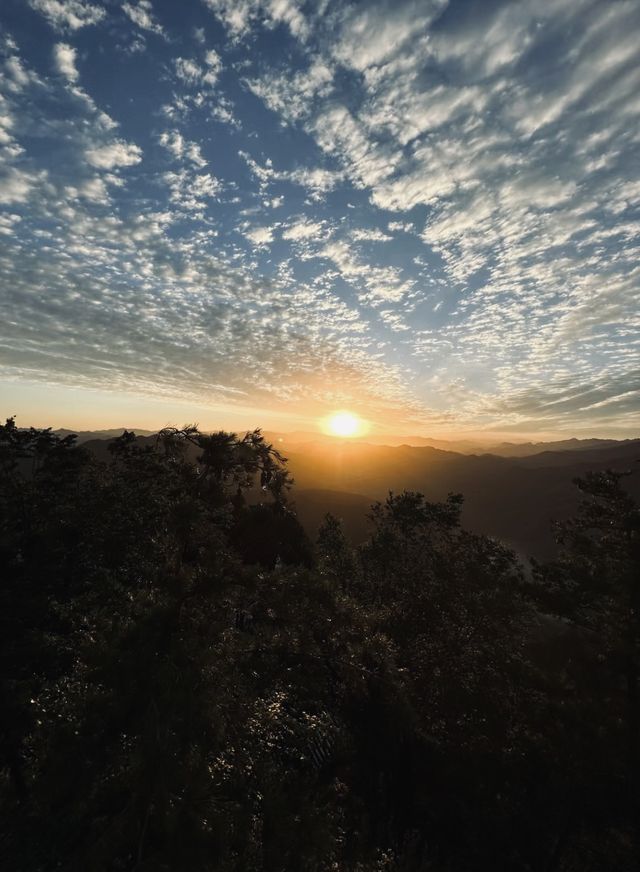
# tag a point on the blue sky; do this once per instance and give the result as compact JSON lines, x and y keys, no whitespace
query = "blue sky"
{"x":427,"y":212}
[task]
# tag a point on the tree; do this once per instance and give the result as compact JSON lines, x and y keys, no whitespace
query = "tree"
{"x":336,"y":558}
{"x":187,"y":686}
{"x":175,"y":709}
{"x":595,"y":586}
{"x":451,"y":604}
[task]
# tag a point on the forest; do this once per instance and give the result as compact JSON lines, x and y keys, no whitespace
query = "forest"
{"x":192,"y":682}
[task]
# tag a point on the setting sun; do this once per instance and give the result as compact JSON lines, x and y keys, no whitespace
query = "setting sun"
{"x":344,"y":424}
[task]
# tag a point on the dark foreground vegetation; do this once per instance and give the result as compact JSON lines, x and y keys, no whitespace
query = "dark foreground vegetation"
{"x":189,"y":683}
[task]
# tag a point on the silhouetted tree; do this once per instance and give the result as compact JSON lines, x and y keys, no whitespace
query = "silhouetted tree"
{"x":594,"y":585}
{"x":188,"y":685}
{"x":336,"y":558}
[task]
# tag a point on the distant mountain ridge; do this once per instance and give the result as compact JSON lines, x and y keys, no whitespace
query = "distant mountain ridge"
{"x":284,"y":441}
{"x":460,"y":446}
{"x":522,"y":449}
{"x":88,"y":435}
{"x":515,"y":499}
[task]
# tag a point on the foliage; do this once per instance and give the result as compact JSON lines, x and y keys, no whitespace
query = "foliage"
{"x":189,"y":685}
{"x":594,"y":586}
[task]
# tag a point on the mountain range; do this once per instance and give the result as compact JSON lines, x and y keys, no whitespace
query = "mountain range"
{"x":514,"y":493}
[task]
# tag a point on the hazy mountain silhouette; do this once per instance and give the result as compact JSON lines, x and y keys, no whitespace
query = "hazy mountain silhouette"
{"x":523,"y":449}
{"x":287,"y":441}
{"x":464,"y":446}
{"x":514,"y":499}
{"x":87,"y":435}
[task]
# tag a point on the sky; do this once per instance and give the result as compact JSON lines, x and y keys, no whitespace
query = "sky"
{"x":256,"y":212}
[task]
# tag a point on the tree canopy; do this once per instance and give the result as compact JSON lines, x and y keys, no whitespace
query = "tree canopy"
{"x":189,"y":683}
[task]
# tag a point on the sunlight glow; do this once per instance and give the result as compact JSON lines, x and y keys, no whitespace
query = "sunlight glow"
{"x":344,"y":424}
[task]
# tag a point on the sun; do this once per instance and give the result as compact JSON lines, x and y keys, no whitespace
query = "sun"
{"x":344,"y":424}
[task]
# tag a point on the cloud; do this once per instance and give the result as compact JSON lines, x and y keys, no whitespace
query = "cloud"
{"x":65,"y":61}
{"x":214,"y":65}
{"x":369,"y":235}
{"x":69,"y":14}
{"x":144,"y":292}
{"x":292,"y":96}
{"x":95,"y":190}
{"x":188,"y":70}
{"x":341,"y":134}
{"x":141,"y":13}
{"x":373,"y":284}
{"x":492,"y":147}
{"x":239,"y":16}
{"x":191,"y":191}
{"x":287,"y":12}
{"x":16,"y":185}
{"x":260,"y":235}
{"x":304,"y":230}
{"x":191,"y":73}
{"x":317,"y":180}
{"x":182,"y":148}
{"x":16,"y":77}
{"x":371,"y":36}
{"x":114,"y":155}
{"x":8,"y":223}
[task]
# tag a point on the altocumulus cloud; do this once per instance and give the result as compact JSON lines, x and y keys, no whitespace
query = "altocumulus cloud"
{"x":65,"y":60}
{"x":456,"y":185}
{"x":114,"y":154}
{"x":69,"y":14}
